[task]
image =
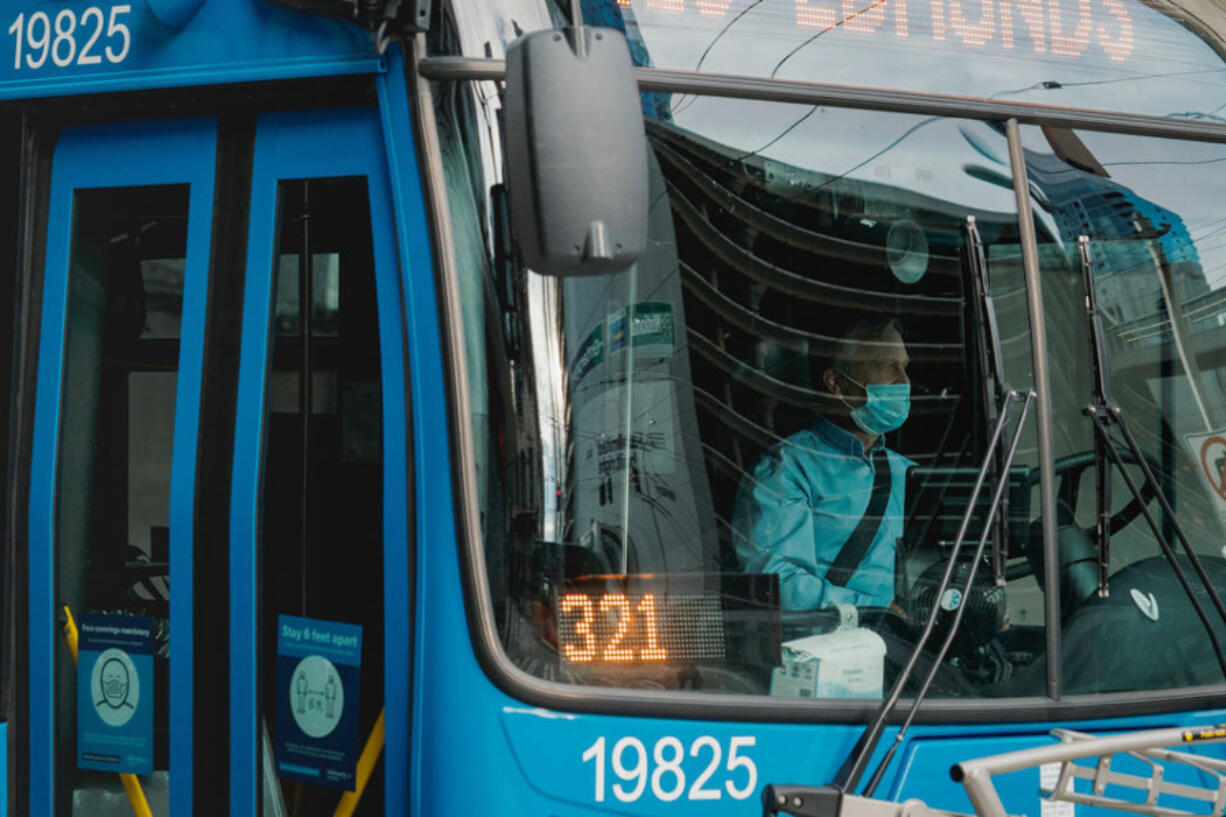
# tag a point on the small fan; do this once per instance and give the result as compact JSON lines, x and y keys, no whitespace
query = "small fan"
{"x":985,"y":604}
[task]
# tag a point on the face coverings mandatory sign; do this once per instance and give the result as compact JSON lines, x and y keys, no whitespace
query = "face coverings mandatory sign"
{"x":115,"y":694}
{"x":319,"y":666}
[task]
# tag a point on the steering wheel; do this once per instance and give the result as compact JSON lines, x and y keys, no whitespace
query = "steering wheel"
{"x":1070,"y":468}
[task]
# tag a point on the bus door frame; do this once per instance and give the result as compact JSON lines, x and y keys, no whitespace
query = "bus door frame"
{"x":129,"y":154}
{"x":288,"y":146}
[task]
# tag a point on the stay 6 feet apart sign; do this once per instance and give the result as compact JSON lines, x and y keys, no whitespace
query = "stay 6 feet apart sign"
{"x":318,"y":677}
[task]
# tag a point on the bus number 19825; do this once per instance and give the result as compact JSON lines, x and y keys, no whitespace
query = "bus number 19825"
{"x":662,"y":769}
{"x":67,"y":39}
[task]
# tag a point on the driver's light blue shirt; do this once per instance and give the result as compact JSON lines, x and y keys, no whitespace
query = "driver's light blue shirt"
{"x":800,"y":504}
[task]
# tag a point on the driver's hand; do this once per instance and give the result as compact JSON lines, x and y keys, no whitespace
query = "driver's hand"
{"x":897,"y":610}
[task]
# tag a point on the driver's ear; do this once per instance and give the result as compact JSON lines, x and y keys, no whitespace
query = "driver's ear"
{"x":831,"y":381}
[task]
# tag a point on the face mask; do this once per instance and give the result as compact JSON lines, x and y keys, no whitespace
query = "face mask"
{"x":886,"y":408}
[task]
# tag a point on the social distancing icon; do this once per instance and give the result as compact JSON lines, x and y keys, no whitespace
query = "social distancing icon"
{"x":317,"y":696}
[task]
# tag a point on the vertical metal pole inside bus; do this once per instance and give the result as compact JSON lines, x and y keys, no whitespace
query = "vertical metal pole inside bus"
{"x":1043,"y":417}
{"x":306,"y":397}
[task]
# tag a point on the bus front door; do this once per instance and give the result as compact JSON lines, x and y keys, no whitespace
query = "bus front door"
{"x":319,"y":580}
{"x":112,"y":477}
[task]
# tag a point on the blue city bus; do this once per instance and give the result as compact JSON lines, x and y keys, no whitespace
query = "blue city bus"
{"x":510,"y":393}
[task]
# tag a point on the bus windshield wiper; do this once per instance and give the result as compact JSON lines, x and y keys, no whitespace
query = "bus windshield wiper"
{"x":994,"y":468}
{"x":986,"y":370}
{"x":802,"y":800}
{"x":1105,"y":412}
{"x":990,"y":375}
{"x":872,"y":736}
{"x":995,"y":391}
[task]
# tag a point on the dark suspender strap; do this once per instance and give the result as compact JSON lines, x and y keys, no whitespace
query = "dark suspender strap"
{"x":856,"y":546}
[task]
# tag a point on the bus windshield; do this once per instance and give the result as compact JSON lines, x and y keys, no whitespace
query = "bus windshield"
{"x":740,"y":465}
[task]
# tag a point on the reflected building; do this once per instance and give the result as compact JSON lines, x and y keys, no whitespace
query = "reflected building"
{"x":1132,"y":238}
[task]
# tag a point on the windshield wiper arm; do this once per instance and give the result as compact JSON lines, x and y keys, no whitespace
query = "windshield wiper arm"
{"x":1103,"y":412}
{"x":872,"y":736}
{"x":1102,"y":469}
{"x":809,"y":801}
{"x":990,"y":375}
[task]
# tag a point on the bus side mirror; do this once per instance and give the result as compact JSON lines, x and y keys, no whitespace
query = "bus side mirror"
{"x":576,"y":152}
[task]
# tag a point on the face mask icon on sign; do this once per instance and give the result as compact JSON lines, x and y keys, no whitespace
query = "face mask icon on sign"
{"x":114,"y":687}
{"x":114,"y":683}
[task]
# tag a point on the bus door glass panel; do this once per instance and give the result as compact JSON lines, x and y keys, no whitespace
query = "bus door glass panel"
{"x":1151,"y":210}
{"x":690,"y":425}
{"x":112,"y":484}
{"x":322,"y":493}
{"x":322,"y":325}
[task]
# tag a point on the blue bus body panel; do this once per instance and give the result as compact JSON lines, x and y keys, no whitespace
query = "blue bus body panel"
{"x":287,"y":146}
{"x":172,"y":152}
{"x":413,"y":246}
{"x":225,"y":41}
{"x":542,"y":761}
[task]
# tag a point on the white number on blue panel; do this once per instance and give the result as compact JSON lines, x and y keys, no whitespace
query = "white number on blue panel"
{"x":62,"y":38}
{"x":660,"y":770}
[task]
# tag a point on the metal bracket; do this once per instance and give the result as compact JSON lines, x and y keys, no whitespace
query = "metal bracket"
{"x":389,"y":19}
{"x":1147,"y":747}
{"x":830,"y":801}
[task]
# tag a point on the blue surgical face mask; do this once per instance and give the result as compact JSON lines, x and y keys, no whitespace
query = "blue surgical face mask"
{"x":885,"y":409}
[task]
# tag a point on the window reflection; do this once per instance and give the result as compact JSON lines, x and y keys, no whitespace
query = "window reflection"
{"x":1120,"y":55}
{"x":1151,"y":210}
{"x":705,"y":429}
{"x":124,"y":310}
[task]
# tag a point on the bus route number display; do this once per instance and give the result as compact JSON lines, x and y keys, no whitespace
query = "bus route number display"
{"x":624,"y":628}
{"x":639,"y":620}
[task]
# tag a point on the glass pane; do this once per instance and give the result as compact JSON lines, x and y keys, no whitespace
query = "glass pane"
{"x":322,"y":496}
{"x":325,"y":293}
{"x":163,"y":285}
{"x":780,"y":409}
{"x":125,"y":298}
{"x":1152,"y":212}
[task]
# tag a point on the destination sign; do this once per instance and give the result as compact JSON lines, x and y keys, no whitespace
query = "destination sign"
{"x":1064,"y":28}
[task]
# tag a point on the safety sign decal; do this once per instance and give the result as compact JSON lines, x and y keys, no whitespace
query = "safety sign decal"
{"x":319,"y":665}
{"x":1209,"y":452}
{"x":115,"y":694}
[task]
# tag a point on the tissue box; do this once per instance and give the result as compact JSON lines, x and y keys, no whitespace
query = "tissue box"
{"x":847,"y":663}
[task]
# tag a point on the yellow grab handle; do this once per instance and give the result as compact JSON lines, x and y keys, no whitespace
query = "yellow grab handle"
{"x":366,"y":765}
{"x":136,"y":795}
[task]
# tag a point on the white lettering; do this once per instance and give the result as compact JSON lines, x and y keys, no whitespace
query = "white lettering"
{"x":38,"y":38}
{"x":664,"y":769}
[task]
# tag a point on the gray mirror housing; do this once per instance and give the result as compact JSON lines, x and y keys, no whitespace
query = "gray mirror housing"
{"x":576,"y":152}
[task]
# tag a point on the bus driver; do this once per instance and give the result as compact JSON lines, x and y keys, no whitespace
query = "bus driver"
{"x":824,"y":507}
